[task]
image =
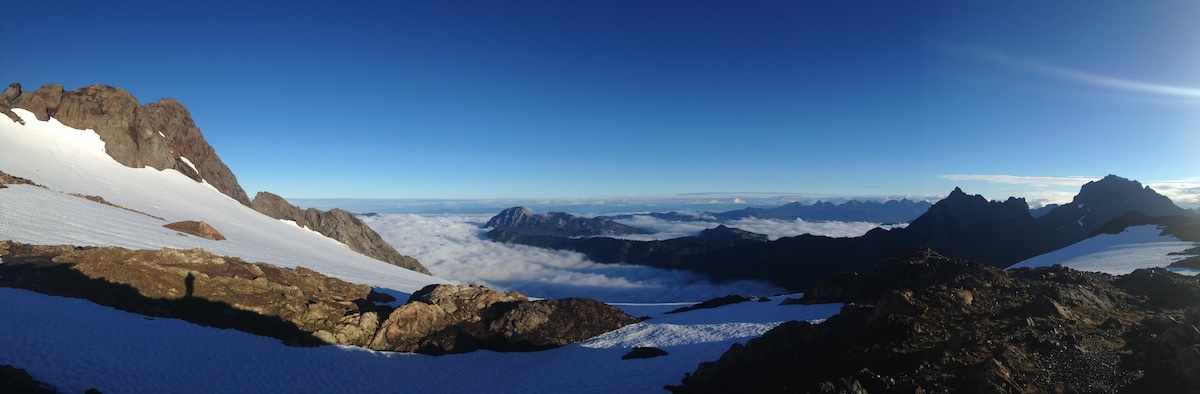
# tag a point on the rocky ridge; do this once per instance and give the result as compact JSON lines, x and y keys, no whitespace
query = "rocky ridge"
{"x":338,"y":224}
{"x":161,"y":135}
{"x":921,"y":322}
{"x":557,"y":224}
{"x":301,"y":306}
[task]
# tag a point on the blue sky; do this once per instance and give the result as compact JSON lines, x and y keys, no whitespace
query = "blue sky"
{"x":576,"y":99}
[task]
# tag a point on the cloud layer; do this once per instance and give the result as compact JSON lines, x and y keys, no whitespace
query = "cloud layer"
{"x":774,"y":229}
{"x":454,"y":247}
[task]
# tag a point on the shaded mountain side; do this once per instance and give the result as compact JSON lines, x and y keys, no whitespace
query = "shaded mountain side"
{"x":892,"y":211}
{"x":922,"y":322}
{"x":557,"y":224}
{"x":662,"y":253}
{"x":340,"y":225}
{"x":161,"y":135}
{"x":960,"y":226}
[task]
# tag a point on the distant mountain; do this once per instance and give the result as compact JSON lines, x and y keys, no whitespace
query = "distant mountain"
{"x":1039,"y":212}
{"x":959,"y":226}
{"x":891,"y":211}
{"x":558,"y":224}
{"x":557,"y":230}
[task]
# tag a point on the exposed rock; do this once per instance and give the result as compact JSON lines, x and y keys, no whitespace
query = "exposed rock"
{"x":6,"y":179}
{"x":159,"y":135}
{"x":644,"y":352}
{"x":925,"y":323}
{"x":105,"y":202}
{"x":199,"y":229}
{"x":200,"y":287}
{"x":442,"y":319}
{"x":713,"y":303}
{"x":17,"y":381}
{"x":339,"y":225}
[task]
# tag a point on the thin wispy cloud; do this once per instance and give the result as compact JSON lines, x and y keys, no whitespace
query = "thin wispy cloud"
{"x":1074,"y":75}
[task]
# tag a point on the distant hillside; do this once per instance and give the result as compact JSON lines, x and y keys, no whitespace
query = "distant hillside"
{"x":891,"y":211}
{"x":557,"y":230}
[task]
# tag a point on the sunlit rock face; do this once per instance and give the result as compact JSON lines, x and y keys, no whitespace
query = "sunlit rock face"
{"x":161,"y":135}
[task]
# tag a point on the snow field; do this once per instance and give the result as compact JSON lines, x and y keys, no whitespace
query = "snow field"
{"x":77,"y":345}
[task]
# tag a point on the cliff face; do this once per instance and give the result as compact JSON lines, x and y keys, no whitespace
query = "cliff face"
{"x":339,"y":225}
{"x":161,"y":135}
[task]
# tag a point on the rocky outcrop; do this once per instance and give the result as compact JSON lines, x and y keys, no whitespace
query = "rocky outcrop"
{"x":339,"y":225}
{"x":6,"y":179}
{"x":299,"y":306}
{"x":442,"y":319}
{"x":921,"y":322}
{"x":161,"y":135}
{"x":199,"y":229}
{"x":16,"y":381}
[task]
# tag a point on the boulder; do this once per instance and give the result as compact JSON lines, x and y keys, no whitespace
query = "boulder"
{"x":441,"y":319}
{"x":199,"y":229}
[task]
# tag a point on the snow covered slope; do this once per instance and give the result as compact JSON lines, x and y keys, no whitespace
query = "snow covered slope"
{"x":1117,"y":254}
{"x":75,"y":344}
{"x":67,"y":160}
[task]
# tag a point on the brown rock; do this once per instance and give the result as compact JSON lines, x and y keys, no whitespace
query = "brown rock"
{"x":337,"y":224}
{"x":199,"y":229}
{"x":300,"y":306}
{"x":442,"y":319}
{"x":156,"y":135}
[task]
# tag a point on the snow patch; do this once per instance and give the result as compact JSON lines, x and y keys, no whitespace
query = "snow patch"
{"x":1117,"y":254}
{"x":189,"y":163}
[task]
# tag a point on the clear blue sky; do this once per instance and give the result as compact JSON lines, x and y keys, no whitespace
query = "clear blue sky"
{"x":572,"y":99}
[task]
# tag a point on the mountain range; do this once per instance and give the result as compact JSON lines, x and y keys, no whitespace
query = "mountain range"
{"x":888,"y":212}
{"x":997,"y":233}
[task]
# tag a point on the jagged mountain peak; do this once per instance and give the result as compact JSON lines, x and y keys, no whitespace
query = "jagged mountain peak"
{"x":161,"y":135}
{"x":511,"y":217}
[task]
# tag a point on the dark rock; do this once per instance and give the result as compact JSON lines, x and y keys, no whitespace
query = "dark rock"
{"x":713,"y":303}
{"x":199,"y":229}
{"x":1162,"y":287}
{"x":644,"y":352}
{"x":340,"y":225}
{"x":729,"y":233}
{"x":921,"y":322}
{"x":441,"y":319}
{"x":17,"y":381}
{"x":158,"y":135}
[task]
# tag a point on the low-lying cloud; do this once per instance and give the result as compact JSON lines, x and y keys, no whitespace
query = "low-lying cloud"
{"x":774,"y":229}
{"x":454,"y":247}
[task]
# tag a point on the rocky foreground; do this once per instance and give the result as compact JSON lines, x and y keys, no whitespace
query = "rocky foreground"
{"x":301,"y":306}
{"x":924,"y":323}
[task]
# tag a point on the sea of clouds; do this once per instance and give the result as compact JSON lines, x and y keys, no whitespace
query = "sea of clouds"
{"x":773,"y":229}
{"x":455,"y":247}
